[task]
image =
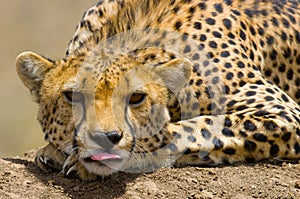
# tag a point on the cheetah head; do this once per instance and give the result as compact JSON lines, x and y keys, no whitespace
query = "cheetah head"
{"x":109,"y":110}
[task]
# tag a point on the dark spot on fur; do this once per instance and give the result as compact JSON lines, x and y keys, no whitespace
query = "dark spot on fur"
{"x":197,"y":25}
{"x":261,"y":113}
{"x":205,"y":133}
{"x":260,"y":137}
{"x":270,"y":125}
{"x":202,"y":6}
{"x":210,"y":21}
{"x":227,"y":132}
{"x":243,"y":133}
{"x":218,"y":144}
{"x":177,"y":25}
{"x":227,"y":122}
{"x":229,"y":151}
{"x":172,"y":147}
{"x":297,"y":148}
{"x":191,"y":138}
{"x":286,"y":136}
{"x":274,"y":149}
{"x":249,"y":145}
{"x":187,"y":129}
{"x":249,"y":126}
{"x":227,"y":23}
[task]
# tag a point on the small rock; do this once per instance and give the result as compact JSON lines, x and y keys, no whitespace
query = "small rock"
{"x":7,"y":173}
{"x":297,"y":184}
{"x":215,"y":178}
{"x":50,"y":182}
{"x":76,"y":188}
{"x":211,"y":172}
{"x":27,"y":182}
{"x":151,"y":187}
{"x":192,"y":180}
{"x":206,"y":194}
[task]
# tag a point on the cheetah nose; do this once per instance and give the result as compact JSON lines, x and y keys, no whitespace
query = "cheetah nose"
{"x":106,"y":139}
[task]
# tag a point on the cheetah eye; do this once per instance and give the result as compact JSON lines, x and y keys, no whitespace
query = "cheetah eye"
{"x":73,"y":96}
{"x":137,"y":99}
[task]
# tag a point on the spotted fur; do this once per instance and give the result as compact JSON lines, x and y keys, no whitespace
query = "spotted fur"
{"x":228,"y":92}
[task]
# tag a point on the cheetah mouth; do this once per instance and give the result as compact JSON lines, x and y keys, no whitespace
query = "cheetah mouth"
{"x":102,"y":157}
{"x":104,"y":162}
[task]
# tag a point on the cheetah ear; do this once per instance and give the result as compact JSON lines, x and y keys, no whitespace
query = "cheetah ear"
{"x":175,"y":73}
{"x":31,"y":69}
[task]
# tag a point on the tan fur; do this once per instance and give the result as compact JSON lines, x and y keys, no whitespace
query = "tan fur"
{"x":214,"y":82}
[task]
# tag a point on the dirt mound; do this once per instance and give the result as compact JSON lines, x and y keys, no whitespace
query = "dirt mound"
{"x":21,"y":178}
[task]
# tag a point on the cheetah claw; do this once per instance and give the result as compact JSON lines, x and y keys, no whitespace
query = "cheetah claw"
{"x":74,"y":169}
{"x":50,"y":158}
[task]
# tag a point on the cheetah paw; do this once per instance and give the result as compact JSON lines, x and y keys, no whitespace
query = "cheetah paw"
{"x":49,"y":158}
{"x":74,"y":169}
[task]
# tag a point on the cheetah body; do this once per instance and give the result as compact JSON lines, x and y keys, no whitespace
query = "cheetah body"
{"x":147,"y":84}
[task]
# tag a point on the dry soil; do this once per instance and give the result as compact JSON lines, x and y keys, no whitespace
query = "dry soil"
{"x":21,"y":178}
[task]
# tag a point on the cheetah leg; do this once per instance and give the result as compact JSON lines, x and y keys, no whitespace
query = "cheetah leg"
{"x":73,"y":168}
{"x":234,"y":137}
{"x":49,"y":158}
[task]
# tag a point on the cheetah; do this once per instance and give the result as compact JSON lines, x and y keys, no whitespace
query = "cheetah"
{"x":147,"y":84}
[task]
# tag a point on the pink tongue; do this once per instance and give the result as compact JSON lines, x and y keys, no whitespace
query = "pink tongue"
{"x":104,"y":156}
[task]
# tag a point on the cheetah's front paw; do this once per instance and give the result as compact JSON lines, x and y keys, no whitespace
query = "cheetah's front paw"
{"x":73,"y":168}
{"x":49,"y":158}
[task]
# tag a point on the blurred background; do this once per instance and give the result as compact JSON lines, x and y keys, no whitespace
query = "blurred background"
{"x":45,"y":27}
